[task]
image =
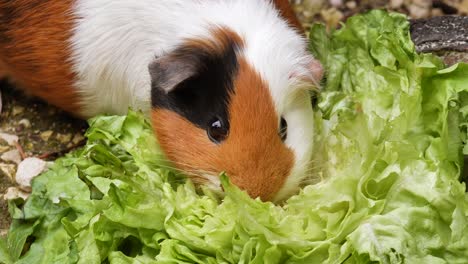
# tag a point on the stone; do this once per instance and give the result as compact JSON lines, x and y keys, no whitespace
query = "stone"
{"x":332,"y":17}
{"x":396,"y":3}
{"x":336,"y":3}
{"x":27,"y":170}
{"x":440,"y":33}
{"x":14,"y":193}
{"x":4,"y":148}
{"x":437,"y":12}
{"x":8,"y":170}
{"x":417,"y":11}
{"x":10,"y":139}
{"x":12,"y":155}
{"x":64,"y":138}
{"x":17,"y":110}
{"x":77,"y":138}
{"x":46,"y":135}
{"x":351,"y":4}
{"x":464,"y":7}
{"x":25,"y":123}
{"x":313,"y":6}
{"x":423,"y":3}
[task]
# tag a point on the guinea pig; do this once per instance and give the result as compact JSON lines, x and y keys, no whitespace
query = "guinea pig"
{"x":225,"y":83}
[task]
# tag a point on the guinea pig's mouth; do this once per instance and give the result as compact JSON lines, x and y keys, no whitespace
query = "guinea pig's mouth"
{"x":299,"y":176}
{"x":302,"y":174}
{"x":207,"y":180}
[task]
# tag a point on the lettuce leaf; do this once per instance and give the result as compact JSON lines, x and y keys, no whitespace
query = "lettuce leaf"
{"x":391,"y":134}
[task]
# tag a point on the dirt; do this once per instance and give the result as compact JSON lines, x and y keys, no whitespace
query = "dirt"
{"x":43,"y":131}
{"x":333,"y":12}
{"x":47,"y":132}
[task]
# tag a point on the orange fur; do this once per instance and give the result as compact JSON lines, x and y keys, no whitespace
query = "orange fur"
{"x":34,"y":48}
{"x":288,"y":14}
{"x":253,"y":154}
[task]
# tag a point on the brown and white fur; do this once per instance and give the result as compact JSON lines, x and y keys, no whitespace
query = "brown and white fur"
{"x":219,"y":78}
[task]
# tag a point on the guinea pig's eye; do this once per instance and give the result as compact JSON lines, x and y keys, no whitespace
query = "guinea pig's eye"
{"x":217,"y":130}
{"x":283,"y":130}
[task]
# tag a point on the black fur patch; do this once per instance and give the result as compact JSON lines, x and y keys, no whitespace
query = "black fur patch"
{"x":205,"y":94}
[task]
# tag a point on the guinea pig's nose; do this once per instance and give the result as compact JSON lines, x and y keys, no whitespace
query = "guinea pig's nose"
{"x":263,"y":186}
{"x":253,"y":191}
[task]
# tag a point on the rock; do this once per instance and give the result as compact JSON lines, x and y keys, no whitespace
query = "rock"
{"x":25,"y":123}
{"x":64,"y":138}
{"x":420,"y":8}
{"x":464,"y":7}
{"x":440,"y":33}
{"x":27,"y":170}
{"x":336,"y":3}
{"x":437,"y":12}
{"x":14,"y":193}
{"x":17,"y":110}
{"x":0,"y":101}
{"x":8,"y":170}
{"x":417,"y":11}
{"x":396,"y":3}
{"x":77,"y":138}
{"x":453,"y":57}
{"x":332,"y":17}
{"x":423,"y":3}
{"x":312,"y":7}
{"x":12,"y":155}
{"x":10,"y":139}
{"x":46,"y":135}
{"x":351,"y":4}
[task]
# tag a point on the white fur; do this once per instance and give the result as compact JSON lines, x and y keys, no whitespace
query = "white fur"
{"x":115,"y":40}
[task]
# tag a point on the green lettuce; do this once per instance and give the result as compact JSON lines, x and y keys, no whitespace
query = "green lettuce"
{"x":391,"y":131}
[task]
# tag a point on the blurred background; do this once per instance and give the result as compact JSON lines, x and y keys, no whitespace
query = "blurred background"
{"x":332,"y":12}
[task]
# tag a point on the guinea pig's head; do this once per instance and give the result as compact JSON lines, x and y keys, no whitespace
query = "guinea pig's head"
{"x":215,"y":110}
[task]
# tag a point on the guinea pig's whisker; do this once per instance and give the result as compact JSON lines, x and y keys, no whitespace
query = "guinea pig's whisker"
{"x":198,"y":176}
{"x":174,"y":168}
{"x":212,"y":179}
{"x":188,"y":168}
{"x":168,"y":161}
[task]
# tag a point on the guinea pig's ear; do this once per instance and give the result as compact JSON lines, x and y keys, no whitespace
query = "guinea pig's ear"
{"x":312,"y":73}
{"x":168,"y":71}
{"x":316,"y":69}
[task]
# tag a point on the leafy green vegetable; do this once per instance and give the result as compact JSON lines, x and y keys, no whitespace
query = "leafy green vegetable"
{"x":391,"y":126}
